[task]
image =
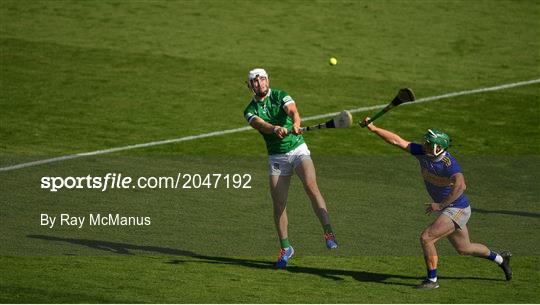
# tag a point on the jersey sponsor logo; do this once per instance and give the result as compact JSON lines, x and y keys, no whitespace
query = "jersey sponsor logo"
{"x":267,"y":112}
{"x":435,"y":180}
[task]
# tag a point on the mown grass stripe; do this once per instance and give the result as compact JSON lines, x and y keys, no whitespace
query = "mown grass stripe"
{"x":235,"y":130}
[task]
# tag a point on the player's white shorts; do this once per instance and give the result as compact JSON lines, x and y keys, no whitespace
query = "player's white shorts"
{"x":459,"y":216}
{"x":284,"y":164}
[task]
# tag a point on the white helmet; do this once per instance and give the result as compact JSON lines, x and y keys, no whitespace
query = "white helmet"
{"x":253,"y":74}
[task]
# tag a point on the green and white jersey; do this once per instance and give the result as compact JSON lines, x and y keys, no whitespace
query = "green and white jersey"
{"x":271,"y":110}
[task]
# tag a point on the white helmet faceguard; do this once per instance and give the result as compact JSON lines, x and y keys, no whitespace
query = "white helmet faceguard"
{"x":253,"y":74}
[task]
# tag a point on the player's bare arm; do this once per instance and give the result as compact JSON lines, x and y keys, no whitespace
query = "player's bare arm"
{"x":268,"y":128}
{"x":388,"y":136}
{"x":458,"y":187}
{"x":292,"y":111}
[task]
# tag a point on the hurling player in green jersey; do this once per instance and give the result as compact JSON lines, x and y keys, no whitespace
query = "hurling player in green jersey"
{"x":274,"y":114}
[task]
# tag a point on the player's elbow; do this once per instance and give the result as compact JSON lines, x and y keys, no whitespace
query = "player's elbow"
{"x":461,"y":186}
{"x":459,"y":182}
{"x":394,"y":142}
{"x":399,"y":143}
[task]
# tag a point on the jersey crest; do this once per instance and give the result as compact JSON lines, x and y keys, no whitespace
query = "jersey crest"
{"x":447,"y":161}
{"x":265,"y":110}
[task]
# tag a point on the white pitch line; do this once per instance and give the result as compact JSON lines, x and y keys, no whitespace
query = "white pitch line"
{"x":235,"y":130}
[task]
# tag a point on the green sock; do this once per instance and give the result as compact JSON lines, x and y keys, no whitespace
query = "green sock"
{"x":328,"y":228}
{"x":284,"y":243}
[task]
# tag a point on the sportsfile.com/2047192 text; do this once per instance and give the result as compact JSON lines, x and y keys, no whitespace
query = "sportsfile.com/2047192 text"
{"x":118,"y":181}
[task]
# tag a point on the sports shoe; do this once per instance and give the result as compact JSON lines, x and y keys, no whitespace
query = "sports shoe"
{"x":330,"y":240}
{"x":427,"y":284}
{"x":283,"y":258}
{"x":505,"y":265}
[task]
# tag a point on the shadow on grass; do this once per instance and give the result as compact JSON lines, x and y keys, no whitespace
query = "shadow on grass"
{"x":505,"y":212}
{"x":192,"y":257}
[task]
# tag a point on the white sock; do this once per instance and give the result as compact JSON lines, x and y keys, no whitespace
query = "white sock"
{"x":499,"y":259}
{"x":433,"y":279}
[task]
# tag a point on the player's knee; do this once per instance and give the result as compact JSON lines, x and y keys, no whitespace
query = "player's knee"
{"x":425,"y":238}
{"x":311,"y":185}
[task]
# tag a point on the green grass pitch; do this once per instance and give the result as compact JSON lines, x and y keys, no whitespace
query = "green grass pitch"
{"x":80,"y":76}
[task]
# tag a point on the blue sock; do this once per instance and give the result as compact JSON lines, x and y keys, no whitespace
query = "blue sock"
{"x":492,"y":255}
{"x":432,"y":274}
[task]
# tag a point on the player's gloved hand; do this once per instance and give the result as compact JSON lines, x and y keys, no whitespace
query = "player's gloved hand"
{"x":281,"y":132}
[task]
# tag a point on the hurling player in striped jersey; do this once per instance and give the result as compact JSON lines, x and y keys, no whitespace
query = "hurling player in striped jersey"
{"x":445,"y":184}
